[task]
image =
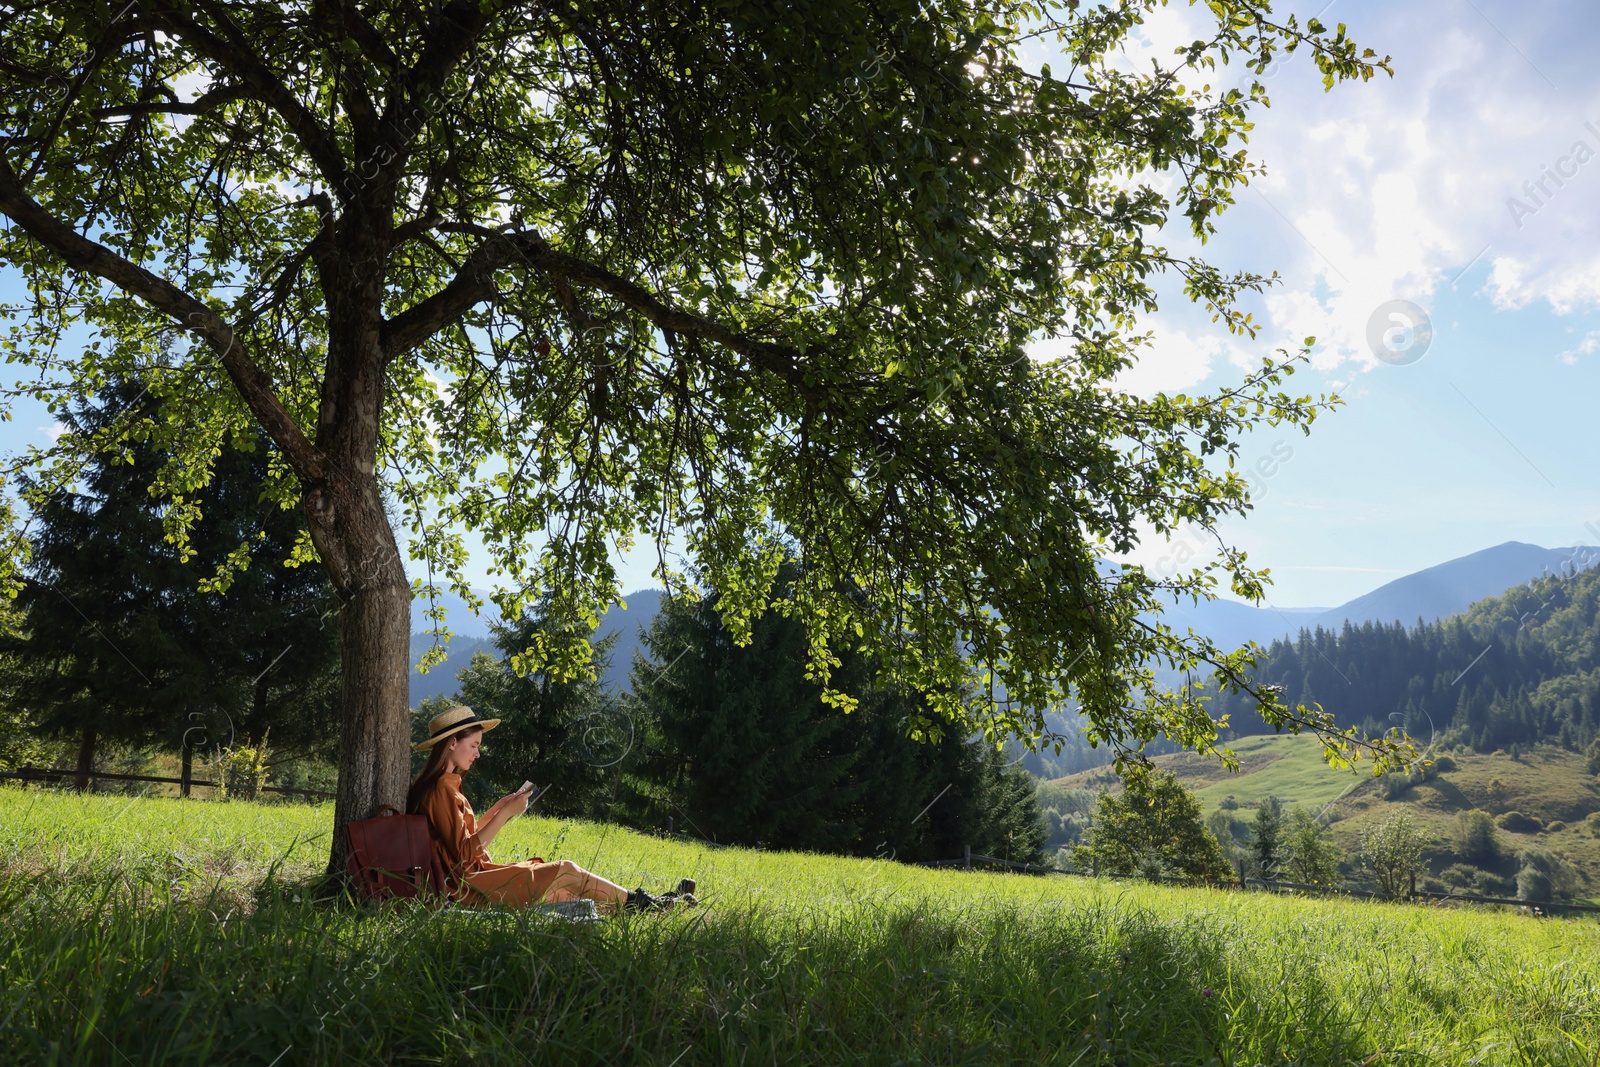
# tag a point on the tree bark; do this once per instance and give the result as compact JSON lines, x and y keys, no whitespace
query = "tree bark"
{"x":349,"y":526}
{"x":374,"y":755}
{"x":85,"y":759}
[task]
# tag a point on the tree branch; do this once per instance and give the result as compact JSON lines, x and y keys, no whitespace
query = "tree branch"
{"x":253,"y":384}
{"x":202,"y":104}
{"x":449,"y":37}
{"x":474,"y":283}
{"x":254,"y":76}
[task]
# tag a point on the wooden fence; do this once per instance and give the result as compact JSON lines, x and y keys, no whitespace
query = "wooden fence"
{"x":37,"y":774}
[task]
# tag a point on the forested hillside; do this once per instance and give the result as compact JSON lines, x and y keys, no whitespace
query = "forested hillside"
{"x":1517,"y":669}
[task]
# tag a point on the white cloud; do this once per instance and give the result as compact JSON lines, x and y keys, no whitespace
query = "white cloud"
{"x":1586,"y":347}
{"x":1389,"y":189}
{"x":1176,"y":360}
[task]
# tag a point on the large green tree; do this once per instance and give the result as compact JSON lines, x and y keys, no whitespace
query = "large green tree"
{"x":558,"y":276}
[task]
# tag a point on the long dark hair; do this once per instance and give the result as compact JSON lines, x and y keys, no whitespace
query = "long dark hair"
{"x":423,"y":784}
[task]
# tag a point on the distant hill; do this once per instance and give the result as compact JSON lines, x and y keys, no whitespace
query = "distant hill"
{"x":441,"y":680}
{"x":460,"y":619}
{"x":1548,"y":784}
{"x":1429,"y":595}
{"x":1521,"y":668}
{"x":629,"y":624}
{"x":1451,"y":588}
{"x":472,"y":636}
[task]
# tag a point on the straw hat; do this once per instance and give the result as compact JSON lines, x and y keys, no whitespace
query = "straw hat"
{"x":454,"y":721}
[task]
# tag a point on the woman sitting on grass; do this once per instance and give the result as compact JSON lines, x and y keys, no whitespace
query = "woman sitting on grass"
{"x":460,"y":840}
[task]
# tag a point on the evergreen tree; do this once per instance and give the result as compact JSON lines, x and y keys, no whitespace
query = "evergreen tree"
{"x":1266,"y":845}
{"x":204,"y":641}
{"x":1153,"y":826}
{"x":743,"y":749}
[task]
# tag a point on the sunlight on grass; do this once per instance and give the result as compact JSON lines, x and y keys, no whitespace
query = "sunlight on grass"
{"x":140,"y":932}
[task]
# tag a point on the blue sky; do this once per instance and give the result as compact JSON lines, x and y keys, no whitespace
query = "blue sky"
{"x":1423,"y":188}
{"x":1400,"y":189}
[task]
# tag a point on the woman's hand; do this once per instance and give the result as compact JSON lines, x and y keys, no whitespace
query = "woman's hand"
{"x":501,"y":812}
{"x":513,"y":804}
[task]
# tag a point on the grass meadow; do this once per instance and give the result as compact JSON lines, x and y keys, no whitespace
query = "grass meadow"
{"x":144,"y":931}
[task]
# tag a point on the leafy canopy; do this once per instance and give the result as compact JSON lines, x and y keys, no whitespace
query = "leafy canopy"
{"x":766,"y":280}
{"x":1153,"y":826}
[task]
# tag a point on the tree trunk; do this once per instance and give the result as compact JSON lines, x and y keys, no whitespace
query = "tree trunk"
{"x":347,"y":522}
{"x":85,"y":759}
{"x":374,"y":757}
{"x":359,"y":551}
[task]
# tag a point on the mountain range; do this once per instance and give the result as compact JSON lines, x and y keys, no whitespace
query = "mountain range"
{"x":472,"y":635}
{"x":1424,"y":596}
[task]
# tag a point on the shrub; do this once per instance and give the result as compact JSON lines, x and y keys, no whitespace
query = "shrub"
{"x":1545,"y":876}
{"x":1555,"y":827}
{"x":1518,"y":823}
{"x":1593,"y":822}
{"x":241,"y":770}
{"x":1228,"y":803}
{"x":1397,"y":784}
{"x":1475,"y":837}
{"x":1443,"y":764}
{"x":1494,"y":885}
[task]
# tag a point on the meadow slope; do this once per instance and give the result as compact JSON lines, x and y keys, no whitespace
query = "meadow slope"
{"x":1552,"y":786}
{"x":151,"y":931}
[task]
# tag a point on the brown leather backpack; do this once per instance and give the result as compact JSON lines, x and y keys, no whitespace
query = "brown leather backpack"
{"x":390,"y":857}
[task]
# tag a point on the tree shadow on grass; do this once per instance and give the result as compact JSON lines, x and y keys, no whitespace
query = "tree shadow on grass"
{"x":876,"y":981}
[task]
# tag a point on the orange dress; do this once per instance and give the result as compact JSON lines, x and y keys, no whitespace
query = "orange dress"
{"x":474,"y":878}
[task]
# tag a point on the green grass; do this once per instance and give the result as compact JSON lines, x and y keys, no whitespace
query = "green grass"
{"x":149,"y":931}
{"x":1288,"y":767}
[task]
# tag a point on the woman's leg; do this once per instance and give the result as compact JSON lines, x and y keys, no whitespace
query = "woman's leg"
{"x":572,"y":882}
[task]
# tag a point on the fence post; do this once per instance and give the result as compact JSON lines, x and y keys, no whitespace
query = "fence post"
{"x":85,"y":760}
{"x":1413,"y":891}
{"x":966,"y":856}
{"x":1240,"y":865}
{"x":186,"y":775}
{"x":669,"y":826}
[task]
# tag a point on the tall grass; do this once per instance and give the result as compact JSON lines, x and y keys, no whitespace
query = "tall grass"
{"x":158,"y":931}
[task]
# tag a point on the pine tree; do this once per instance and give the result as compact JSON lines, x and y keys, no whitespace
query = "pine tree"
{"x":743,"y":749}
{"x":132,"y":638}
{"x":1266,"y":845}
